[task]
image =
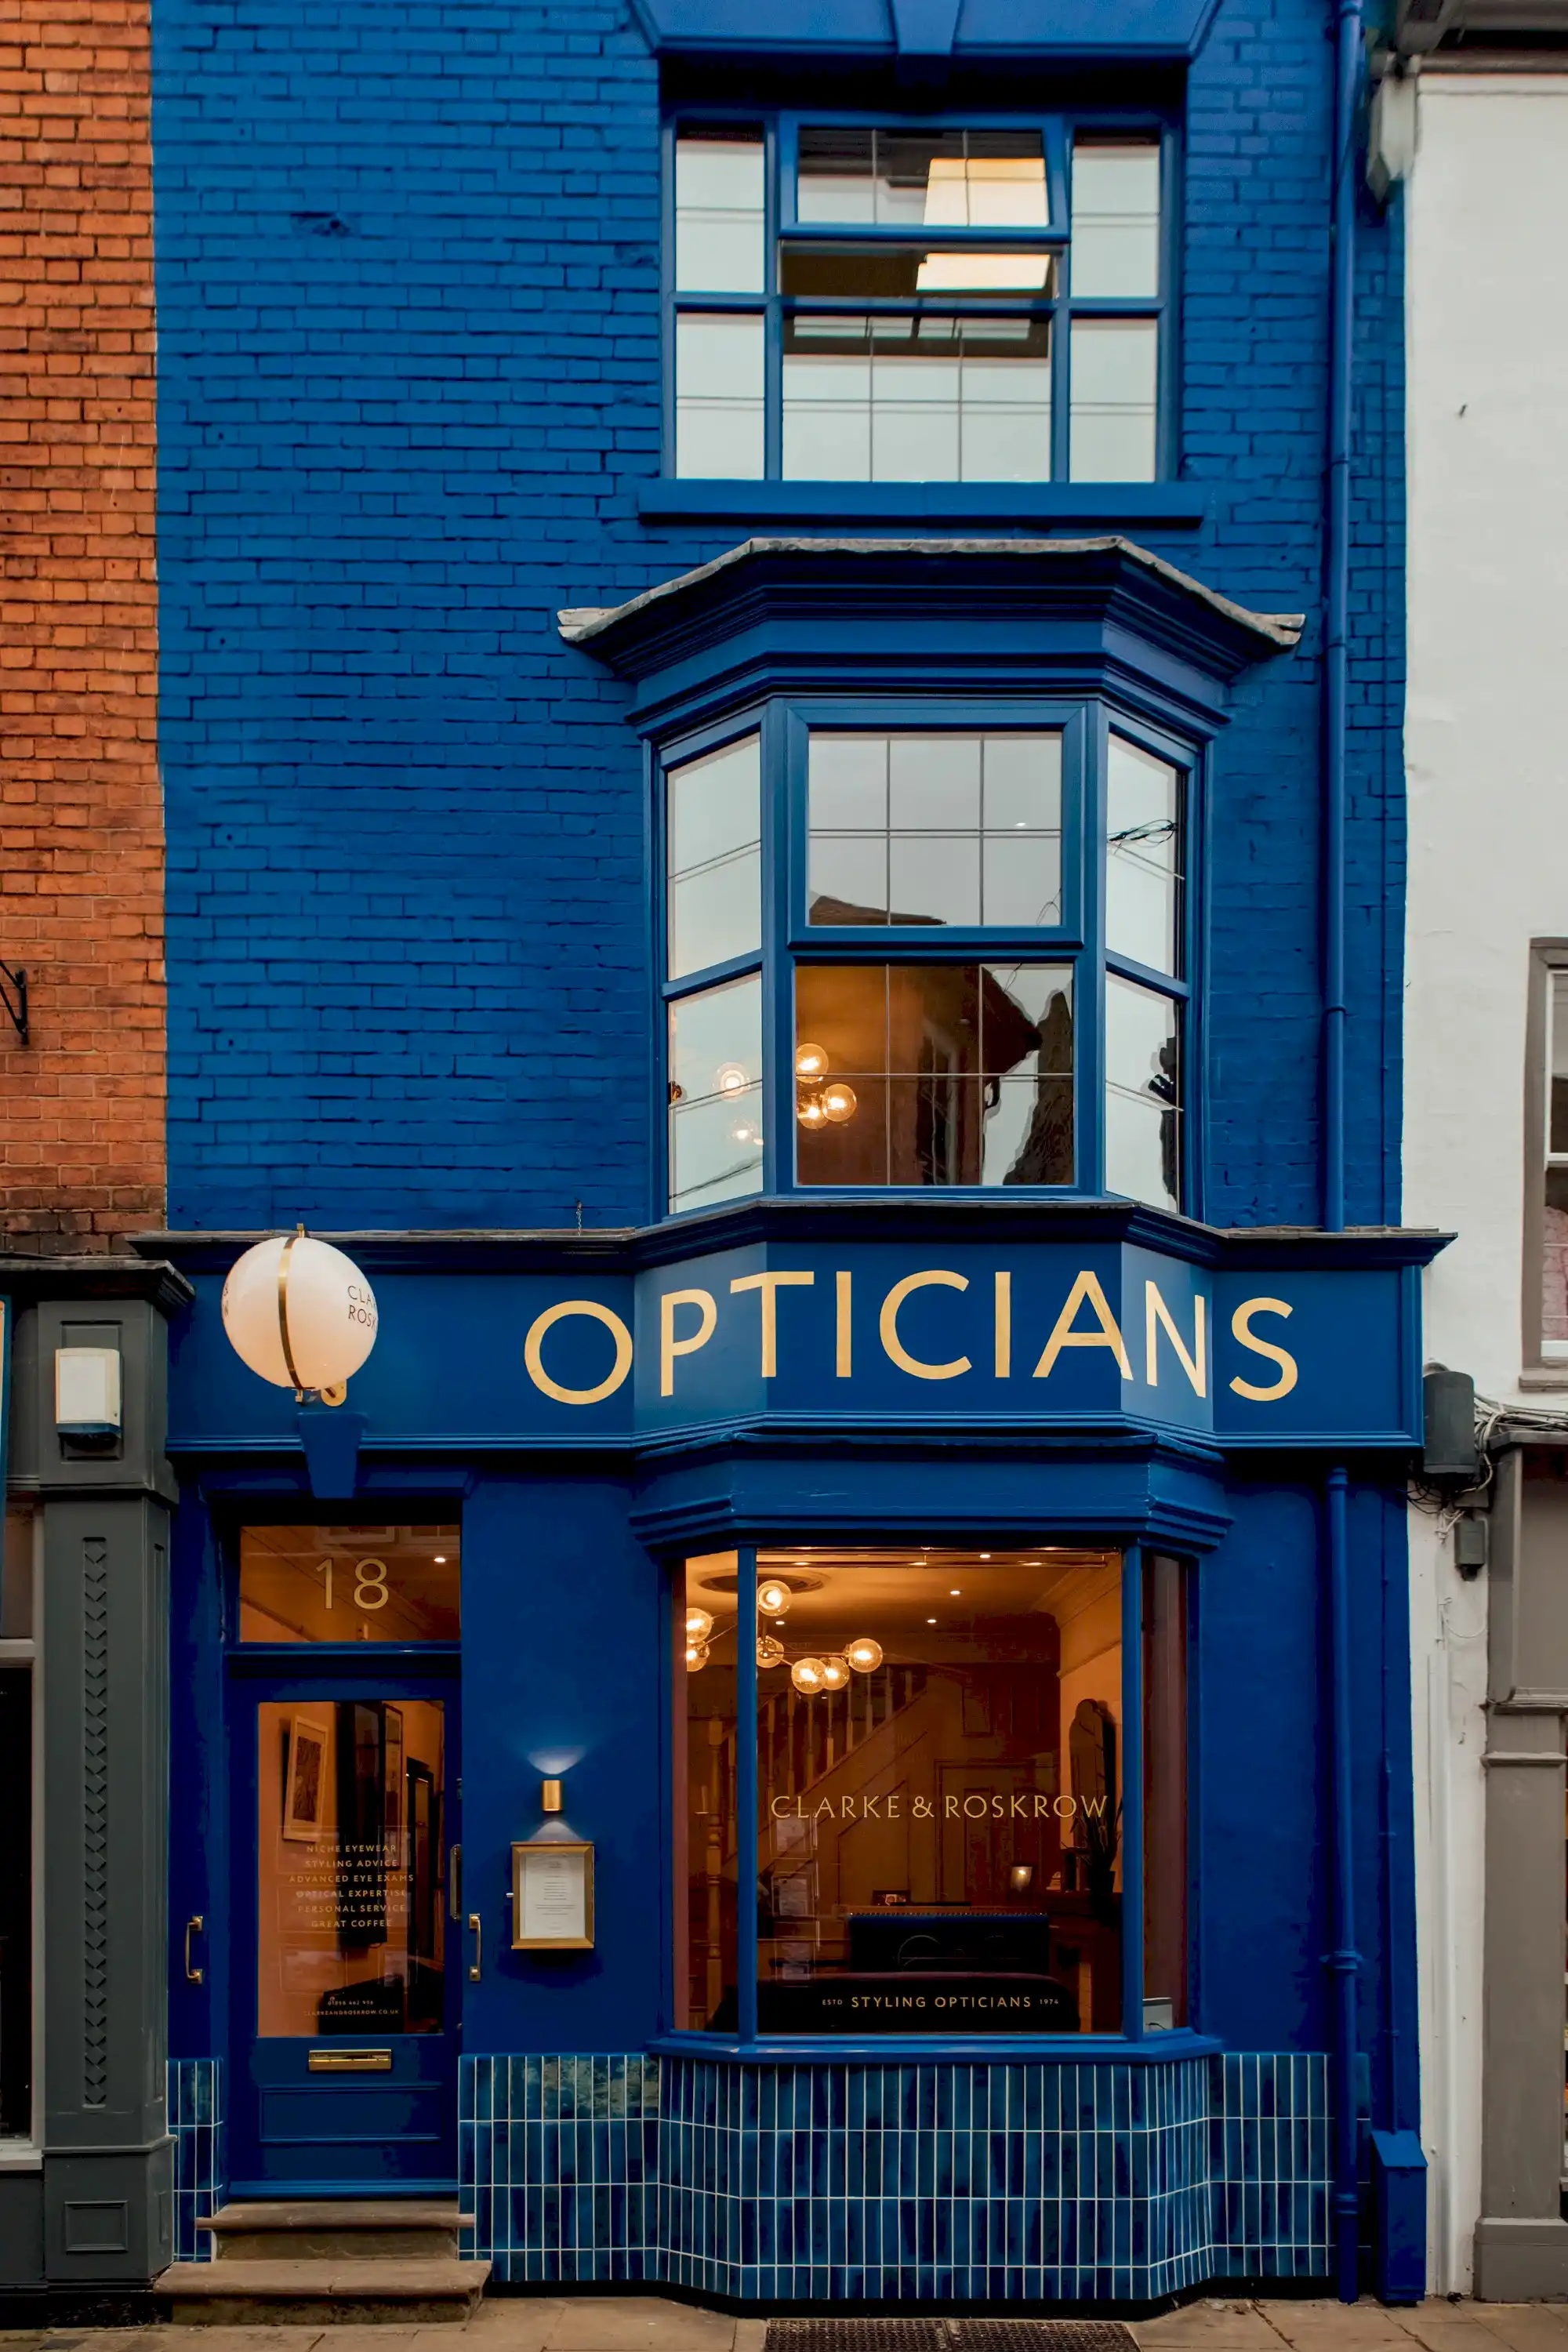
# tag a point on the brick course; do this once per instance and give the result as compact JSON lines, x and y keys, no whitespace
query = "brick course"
{"x":81,"y":1110}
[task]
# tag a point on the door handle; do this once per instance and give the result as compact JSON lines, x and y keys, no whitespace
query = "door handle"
{"x":477,"y":1926}
{"x":193,"y":1926}
{"x":454,"y":1883}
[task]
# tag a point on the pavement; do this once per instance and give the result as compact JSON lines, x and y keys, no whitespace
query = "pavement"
{"x":649,"y":2324}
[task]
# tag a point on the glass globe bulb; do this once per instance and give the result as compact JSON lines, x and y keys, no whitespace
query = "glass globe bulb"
{"x":865,"y":1656}
{"x":696,"y":1656}
{"x":839,"y":1102}
{"x":770,"y":1649}
{"x":810,"y":1061}
{"x":699,"y":1624}
{"x":774,"y":1598}
{"x":835,"y":1672}
{"x":731,"y":1079}
{"x":809,"y":1111}
{"x":809,"y":1676}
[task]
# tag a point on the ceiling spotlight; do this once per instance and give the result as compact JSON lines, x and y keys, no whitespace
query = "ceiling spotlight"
{"x":440,"y":1559}
{"x":954,"y":1593}
{"x":930,"y":1620}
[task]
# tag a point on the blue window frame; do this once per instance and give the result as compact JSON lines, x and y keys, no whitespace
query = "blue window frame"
{"x":849,"y":298}
{"x":907,"y":946}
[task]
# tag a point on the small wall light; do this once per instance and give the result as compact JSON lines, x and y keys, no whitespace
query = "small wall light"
{"x":87,"y":1392}
{"x":550,"y":1796}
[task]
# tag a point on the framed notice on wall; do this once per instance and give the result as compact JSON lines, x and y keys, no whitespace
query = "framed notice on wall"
{"x":552,"y":1896}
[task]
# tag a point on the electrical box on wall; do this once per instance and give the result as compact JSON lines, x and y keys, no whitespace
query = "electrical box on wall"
{"x":1449,"y":1454}
{"x":86,"y":1392}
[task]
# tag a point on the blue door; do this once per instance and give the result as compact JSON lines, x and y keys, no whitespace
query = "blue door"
{"x":348,"y":1943}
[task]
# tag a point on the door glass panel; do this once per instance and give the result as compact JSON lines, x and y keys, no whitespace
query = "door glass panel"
{"x":351,"y":1899}
{"x":349,"y":1584}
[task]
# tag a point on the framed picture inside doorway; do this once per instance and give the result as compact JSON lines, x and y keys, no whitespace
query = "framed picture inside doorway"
{"x":305,"y":1785}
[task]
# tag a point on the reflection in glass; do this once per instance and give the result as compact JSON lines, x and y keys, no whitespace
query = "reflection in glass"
{"x":720,"y":245}
{"x":948,"y":828}
{"x":1164,"y":1793}
{"x":917,"y":398}
{"x":939,"y":1839}
{"x":714,"y":853}
{"x":1142,"y":843}
{"x":705,"y":1842}
{"x":960,"y":1074}
{"x":350,"y":1867}
{"x":715,"y":1094}
{"x":16,"y":1882}
{"x":323,"y":1584}
{"x":719,"y":397}
{"x":863,"y":273}
{"x":922,"y":179}
{"x":1142,"y":1094}
{"x":1116,"y":217}
{"x":1114,"y":368}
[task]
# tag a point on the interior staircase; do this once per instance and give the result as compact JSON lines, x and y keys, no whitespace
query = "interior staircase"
{"x":309,"y":2263}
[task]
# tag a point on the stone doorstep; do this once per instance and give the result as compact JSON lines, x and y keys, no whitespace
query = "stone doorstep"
{"x":314,"y":2292}
{"x":327,"y":2230}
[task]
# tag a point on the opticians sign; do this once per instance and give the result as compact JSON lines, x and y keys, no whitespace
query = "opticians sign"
{"x":873,"y":1336}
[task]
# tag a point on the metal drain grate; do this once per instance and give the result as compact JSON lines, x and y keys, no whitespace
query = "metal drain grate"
{"x":948,"y":2336}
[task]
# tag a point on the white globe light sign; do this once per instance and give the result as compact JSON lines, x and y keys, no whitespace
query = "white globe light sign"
{"x":299,"y":1314}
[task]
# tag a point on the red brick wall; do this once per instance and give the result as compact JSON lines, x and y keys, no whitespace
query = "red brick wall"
{"x":82,"y":1110}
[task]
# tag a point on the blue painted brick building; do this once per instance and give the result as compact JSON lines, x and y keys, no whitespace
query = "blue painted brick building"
{"x":782,"y":674}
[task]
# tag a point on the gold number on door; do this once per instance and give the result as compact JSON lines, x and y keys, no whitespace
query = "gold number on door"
{"x":370,"y":1584}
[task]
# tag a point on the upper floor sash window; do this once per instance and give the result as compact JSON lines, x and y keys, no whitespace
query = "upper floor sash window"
{"x":867,"y":301}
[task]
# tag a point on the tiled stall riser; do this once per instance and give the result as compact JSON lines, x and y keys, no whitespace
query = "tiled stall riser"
{"x":938,"y":2181}
{"x":201,"y":2163}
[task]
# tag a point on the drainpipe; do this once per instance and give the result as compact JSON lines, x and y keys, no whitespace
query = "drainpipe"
{"x":1342,"y":1960}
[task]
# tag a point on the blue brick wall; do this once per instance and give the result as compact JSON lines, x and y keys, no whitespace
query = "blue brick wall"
{"x":408,"y":384}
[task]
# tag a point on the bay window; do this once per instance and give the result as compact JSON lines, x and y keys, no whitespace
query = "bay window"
{"x":916,"y":955}
{"x":866,"y":301}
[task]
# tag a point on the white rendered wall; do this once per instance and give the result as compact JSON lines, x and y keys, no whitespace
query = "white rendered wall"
{"x":1487,"y":752}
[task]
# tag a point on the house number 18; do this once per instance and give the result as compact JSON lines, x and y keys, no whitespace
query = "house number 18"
{"x":369,"y":1582}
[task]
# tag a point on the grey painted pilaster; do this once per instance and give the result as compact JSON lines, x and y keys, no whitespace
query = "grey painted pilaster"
{"x":1521,"y":2241}
{"x":101,"y":1684}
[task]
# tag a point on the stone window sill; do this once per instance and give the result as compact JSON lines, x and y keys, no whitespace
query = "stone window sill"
{"x":1112,"y":505}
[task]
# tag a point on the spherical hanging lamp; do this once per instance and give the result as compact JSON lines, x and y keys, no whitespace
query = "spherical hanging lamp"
{"x":299,"y":1314}
{"x":835,"y":1672}
{"x":699,"y":1624}
{"x":865,"y":1656}
{"x":774,"y":1598}
{"x":770,"y":1649}
{"x":696,"y":1656}
{"x":809,"y":1676}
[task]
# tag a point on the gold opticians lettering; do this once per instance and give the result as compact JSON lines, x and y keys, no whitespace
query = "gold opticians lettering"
{"x":688,"y":1319}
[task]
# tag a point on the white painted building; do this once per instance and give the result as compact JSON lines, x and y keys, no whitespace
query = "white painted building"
{"x":1487,"y":212}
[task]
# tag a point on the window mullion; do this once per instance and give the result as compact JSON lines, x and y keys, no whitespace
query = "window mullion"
{"x":1132,"y":1792}
{"x":746,"y":1791}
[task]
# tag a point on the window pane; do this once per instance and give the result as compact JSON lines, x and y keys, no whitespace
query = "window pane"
{"x":1557,"y":1133}
{"x":715,"y":1094}
{"x":16,"y":1902}
{"x":17,"y":1577}
{"x":1143,"y":876}
{"x":720,"y":245}
{"x":1142,"y":1094}
{"x":325,"y":1583}
{"x":715,"y":857}
{"x":930,"y":179}
{"x":706,"y":1845}
{"x":1113,"y":399}
{"x":1555,"y":1266}
{"x":1165,"y":1794}
{"x":718,"y":397}
{"x":939,"y":1793}
{"x":351,"y":1845}
{"x":933,"y":1073}
{"x":1116,"y":217}
{"x":899,"y":272}
{"x":922,"y":398}
{"x":1003,"y":867}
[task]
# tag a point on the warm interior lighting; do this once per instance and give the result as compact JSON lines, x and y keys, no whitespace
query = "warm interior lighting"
{"x":839,"y":1102}
{"x":696,"y":1656}
{"x":730,"y":1079}
{"x":774,"y":1598}
{"x":835,"y":1672}
{"x":810,"y":1061}
{"x":864,"y":1655}
{"x":770,"y":1651}
{"x":809,"y":1676}
{"x":699,"y":1624}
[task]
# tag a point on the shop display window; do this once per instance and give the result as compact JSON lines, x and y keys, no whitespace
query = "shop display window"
{"x":16,"y":1854}
{"x":952,"y":954}
{"x":939,"y":1792}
